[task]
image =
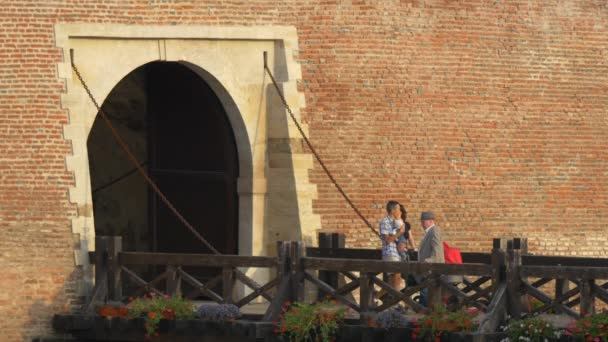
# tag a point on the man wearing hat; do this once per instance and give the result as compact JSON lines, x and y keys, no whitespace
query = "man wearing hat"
{"x":430,"y":248}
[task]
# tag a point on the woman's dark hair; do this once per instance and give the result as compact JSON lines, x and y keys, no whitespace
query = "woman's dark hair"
{"x":403,"y":213}
{"x":408,"y":226}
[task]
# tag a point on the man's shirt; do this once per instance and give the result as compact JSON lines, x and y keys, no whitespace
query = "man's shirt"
{"x":387,"y":227}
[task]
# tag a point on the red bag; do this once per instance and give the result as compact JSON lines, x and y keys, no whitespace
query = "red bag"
{"x":452,"y":254}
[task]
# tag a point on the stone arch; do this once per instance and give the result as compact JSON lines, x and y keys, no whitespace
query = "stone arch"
{"x":273,"y":166}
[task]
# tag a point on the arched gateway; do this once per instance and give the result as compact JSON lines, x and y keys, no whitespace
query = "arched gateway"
{"x":178,"y":128}
{"x":195,"y":106}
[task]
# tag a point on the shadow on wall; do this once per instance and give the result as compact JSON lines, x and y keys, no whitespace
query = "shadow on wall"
{"x":282,"y":207}
{"x":40,"y":313}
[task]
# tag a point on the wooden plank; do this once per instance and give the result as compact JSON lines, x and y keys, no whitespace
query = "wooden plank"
{"x":514,"y":276}
{"x":377,"y":266}
{"x":600,"y":292}
{"x":344,"y":253}
{"x":274,"y":309}
{"x":100,"y":294}
{"x":114,"y":281}
{"x":476,"y":258}
{"x":376,"y":254}
{"x":174,"y":281}
{"x":250,"y":283}
{"x":228,"y":280}
{"x":210,"y":284}
{"x":587,"y":306}
{"x":475,"y":285}
{"x":538,"y":294}
{"x":496,"y":311}
{"x":398,"y":296}
{"x":209,"y":260}
{"x":245,"y":300}
{"x":140,"y":281}
{"x":330,"y":290}
{"x":541,"y":282}
{"x":434,"y":290}
{"x":466,"y":299}
{"x":348,"y":288}
{"x":564,"y":272}
{"x":366,"y":299}
{"x":297,"y":251}
{"x":202,"y":287}
{"x":545,"y":260}
{"x":152,"y":283}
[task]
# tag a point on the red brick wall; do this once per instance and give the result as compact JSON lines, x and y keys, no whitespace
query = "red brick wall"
{"x":492,"y":113}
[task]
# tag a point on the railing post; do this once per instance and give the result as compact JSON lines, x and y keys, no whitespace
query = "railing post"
{"x":330,"y":240}
{"x":561,"y":287}
{"x":514,"y":283}
{"x":228,"y":281}
{"x":284,"y":282}
{"x":498,"y":259}
{"x":296,"y":252}
{"x":434,"y":290}
{"x":587,"y":306}
{"x":101,"y":259}
{"x":108,"y":249}
{"x":365,"y":299}
{"x":174,"y":281}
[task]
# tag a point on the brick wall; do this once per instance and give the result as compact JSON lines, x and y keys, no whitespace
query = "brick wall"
{"x":492,"y":113}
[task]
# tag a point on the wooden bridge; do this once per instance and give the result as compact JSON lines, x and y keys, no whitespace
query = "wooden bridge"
{"x":500,"y":282}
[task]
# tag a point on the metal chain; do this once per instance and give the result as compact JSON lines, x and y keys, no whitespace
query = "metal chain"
{"x":314,"y":152}
{"x":136,"y":162}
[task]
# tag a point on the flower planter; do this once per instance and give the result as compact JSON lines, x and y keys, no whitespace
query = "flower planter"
{"x":112,"y":311}
{"x":123,"y":329}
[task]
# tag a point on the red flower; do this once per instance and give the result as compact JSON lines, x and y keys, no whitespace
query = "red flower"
{"x":413,"y":336}
{"x":276,"y":331}
{"x":151,"y":315}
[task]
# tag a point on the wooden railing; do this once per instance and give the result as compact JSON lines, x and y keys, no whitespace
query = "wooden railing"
{"x":499,"y":283}
{"x":114,"y":268}
{"x":547,"y":279}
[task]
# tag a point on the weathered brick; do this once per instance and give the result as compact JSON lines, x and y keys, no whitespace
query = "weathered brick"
{"x":493,"y":114}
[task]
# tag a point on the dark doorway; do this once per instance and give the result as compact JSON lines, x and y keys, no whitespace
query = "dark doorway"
{"x":178,"y":128}
{"x":193,"y":158}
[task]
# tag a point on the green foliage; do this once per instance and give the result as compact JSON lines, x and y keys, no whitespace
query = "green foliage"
{"x":310,"y":322}
{"x":532,"y":329}
{"x":590,"y":328}
{"x":156,"y":307}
